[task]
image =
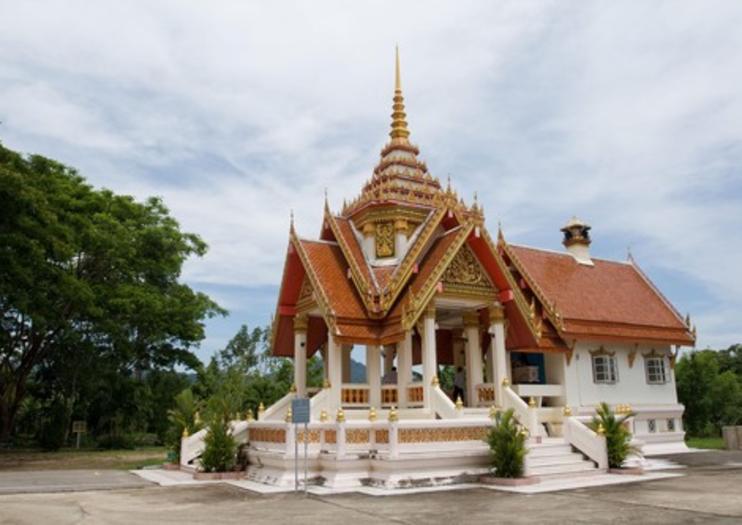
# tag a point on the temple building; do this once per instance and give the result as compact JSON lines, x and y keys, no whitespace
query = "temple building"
{"x":408,"y":272}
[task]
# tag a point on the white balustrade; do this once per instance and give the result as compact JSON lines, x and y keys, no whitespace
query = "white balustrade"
{"x":442,"y":405}
{"x":527,"y":416}
{"x":590,"y":443}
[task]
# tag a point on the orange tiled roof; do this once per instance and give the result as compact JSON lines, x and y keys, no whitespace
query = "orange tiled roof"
{"x":329,"y":266}
{"x":383,"y":274}
{"x":610,"y":299}
{"x":351,"y":241}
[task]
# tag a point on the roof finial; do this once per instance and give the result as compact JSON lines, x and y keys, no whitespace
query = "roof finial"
{"x":327,"y":202}
{"x":399,"y":124}
{"x":291,"y":220}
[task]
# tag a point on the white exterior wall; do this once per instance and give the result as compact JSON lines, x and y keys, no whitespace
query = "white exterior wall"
{"x":632,"y":386}
{"x":656,"y":406}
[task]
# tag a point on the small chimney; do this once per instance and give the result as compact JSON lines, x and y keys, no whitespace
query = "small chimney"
{"x":577,"y":240}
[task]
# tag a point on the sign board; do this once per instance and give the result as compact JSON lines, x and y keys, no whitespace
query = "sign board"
{"x":79,"y":427}
{"x":300,"y":410}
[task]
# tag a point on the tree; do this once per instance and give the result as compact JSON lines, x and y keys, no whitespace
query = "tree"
{"x":85,"y":268}
{"x":242,"y":351}
{"x":710,"y":387}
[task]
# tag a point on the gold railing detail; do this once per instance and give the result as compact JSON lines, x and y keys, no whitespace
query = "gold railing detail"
{"x":389,"y":396}
{"x":485,"y":394}
{"x":355,"y":396}
{"x":415,"y":394}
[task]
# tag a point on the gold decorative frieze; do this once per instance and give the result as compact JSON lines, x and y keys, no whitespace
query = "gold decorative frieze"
{"x":267,"y":435}
{"x":314,"y":436}
{"x":465,"y":269}
{"x":382,"y":436}
{"x":384,"y":240}
{"x":331,"y":437}
{"x":357,"y":436}
{"x":432,"y":435}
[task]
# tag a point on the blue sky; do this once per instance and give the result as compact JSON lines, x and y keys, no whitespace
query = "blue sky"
{"x":627,"y":114}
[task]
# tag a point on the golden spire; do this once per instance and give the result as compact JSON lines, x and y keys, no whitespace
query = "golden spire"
{"x":399,"y":124}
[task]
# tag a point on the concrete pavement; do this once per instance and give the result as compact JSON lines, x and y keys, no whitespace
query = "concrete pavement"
{"x":710,"y":492}
{"x":44,"y":481}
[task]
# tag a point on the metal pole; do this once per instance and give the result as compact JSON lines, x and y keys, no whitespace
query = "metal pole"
{"x":306,"y":455}
{"x":78,"y":440}
{"x":296,"y":457}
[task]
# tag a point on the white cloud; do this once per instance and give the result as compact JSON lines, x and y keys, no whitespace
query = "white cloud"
{"x":628,"y":114}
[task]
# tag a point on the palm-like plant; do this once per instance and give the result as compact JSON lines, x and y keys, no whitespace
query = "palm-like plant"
{"x":507,"y":444}
{"x":617,"y":436}
{"x":183,"y":416}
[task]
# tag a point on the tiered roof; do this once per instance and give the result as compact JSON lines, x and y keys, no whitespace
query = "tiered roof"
{"x":549,"y":299}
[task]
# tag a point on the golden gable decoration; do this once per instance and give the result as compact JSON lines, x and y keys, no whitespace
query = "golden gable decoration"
{"x":384,"y":239}
{"x":464,"y":275}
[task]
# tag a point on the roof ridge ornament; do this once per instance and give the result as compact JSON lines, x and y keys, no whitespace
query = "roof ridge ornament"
{"x":399,"y":124}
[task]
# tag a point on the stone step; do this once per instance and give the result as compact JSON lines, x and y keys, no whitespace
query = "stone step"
{"x":537,"y":451}
{"x":569,"y":468}
{"x":561,"y":459}
{"x":571,"y":475}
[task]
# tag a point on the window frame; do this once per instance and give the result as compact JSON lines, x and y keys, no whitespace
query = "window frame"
{"x":661,"y":375}
{"x":610,"y":372}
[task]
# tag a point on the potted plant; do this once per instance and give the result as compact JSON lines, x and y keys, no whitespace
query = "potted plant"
{"x":617,"y":437}
{"x":508,"y":451}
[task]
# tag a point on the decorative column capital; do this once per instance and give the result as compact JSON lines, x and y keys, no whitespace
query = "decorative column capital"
{"x":430,"y":310}
{"x":471,"y":319}
{"x":497,"y":314}
{"x":400,"y":225}
{"x":301,"y":322}
{"x":369,"y":228}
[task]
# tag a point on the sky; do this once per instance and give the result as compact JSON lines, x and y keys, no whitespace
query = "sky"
{"x":626,"y":114}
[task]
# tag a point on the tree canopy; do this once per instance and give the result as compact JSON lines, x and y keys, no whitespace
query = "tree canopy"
{"x":709,"y":384}
{"x":90,"y":280}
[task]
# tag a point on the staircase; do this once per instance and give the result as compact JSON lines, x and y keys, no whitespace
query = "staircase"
{"x":555,"y":458}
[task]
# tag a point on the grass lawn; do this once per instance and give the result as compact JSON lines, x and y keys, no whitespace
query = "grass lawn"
{"x":699,"y":442}
{"x":30,"y":459}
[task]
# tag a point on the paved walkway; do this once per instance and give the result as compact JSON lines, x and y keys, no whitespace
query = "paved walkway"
{"x":710,"y":491}
{"x":43,"y":481}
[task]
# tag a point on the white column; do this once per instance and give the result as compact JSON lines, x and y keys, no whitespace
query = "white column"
{"x":369,"y":242}
{"x":497,"y":331}
{"x":300,"y":355}
{"x":404,"y":368}
{"x":474,"y":375}
{"x":334,"y":372}
{"x":400,"y":238}
{"x":347,"y":349}
{"x":373,"y":375}
{"x":430,"y":365}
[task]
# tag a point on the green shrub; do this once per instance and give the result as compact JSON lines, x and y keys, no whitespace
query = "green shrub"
{"x":617,"y":436}
{"x":220,"y":448}
{"x":120,"y":440}
{"x":507,"y":446}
